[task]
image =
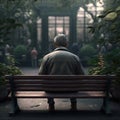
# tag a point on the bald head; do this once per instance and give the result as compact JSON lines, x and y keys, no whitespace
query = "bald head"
{"x":60,"y":40}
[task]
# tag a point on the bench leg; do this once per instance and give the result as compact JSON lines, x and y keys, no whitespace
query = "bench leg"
{"x":105,"y":107}
{"x":73,"y":104}
{"x":51,"y":104}
{"x":14,"y":107}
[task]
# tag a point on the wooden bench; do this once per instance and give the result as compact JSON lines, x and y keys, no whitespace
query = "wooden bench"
{"x":89,"y":86}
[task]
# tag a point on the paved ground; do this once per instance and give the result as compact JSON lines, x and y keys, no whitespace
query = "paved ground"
{"x":34,"y":109}
{"x":33,"y":113}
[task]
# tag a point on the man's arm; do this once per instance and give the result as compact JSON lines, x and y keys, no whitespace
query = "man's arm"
{"x":43,"y":67}
{"x":80,"y":69}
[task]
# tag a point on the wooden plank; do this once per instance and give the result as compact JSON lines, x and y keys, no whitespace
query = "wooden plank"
{"x":22,"y":81}
{"x":91,"y":94}
{"x":57,"y":89}
{"x":62,"y":85}
{"x":63,"y":77}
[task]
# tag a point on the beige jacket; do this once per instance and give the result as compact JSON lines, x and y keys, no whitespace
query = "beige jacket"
{"x":61,"y":62}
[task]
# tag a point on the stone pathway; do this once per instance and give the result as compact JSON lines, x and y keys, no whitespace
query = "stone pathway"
{"x":29,"y":71}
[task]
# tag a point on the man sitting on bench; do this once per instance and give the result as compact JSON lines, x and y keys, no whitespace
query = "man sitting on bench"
{"x":61,"y":62}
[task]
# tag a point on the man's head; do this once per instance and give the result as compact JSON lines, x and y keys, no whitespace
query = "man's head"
{"x":60,"y":40}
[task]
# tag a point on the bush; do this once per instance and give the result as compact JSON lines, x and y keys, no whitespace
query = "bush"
{"x":8,"y":70}
{"x":87,"y":50}
{"x":86,"y":53}
{"x":20,"y":52}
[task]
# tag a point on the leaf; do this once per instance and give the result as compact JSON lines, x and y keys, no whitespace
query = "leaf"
{"x":118,"y":8}
{"x":111,"y":16}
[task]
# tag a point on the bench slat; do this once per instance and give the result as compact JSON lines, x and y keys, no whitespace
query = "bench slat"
{"x":60,"y":81}
{"x":61,"y":85}
{"x":91,"y":94}
{"x":63,"y":77}
{"x":58,"y":89}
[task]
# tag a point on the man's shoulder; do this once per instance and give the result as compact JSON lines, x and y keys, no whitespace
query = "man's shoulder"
{"x":60,"y":53}
{"x":49,"y":54}
{"x":72,"y":54}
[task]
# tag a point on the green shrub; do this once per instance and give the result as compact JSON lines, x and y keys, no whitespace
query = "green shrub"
{"x":86,"y":53}
{"x":87,"y":50}
{"x":8,"y":70}
{"x":19,"y":51}
{"x":20,"y":54}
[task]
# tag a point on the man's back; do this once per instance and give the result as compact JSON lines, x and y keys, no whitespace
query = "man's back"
{"x":61,"y":61}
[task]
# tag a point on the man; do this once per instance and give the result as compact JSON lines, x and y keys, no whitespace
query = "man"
{"x":61,"y":62}
{"x":34,"y":54}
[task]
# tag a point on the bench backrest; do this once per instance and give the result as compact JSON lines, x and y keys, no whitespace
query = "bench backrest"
{"x":60,"y":82}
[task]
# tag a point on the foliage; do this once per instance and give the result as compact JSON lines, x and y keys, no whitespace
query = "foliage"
{"x":87,"y":50}
{"x":15,"y":15}
{"x":99,"y":66}
{"x":109,"y":26}
{"x":113,"y":61}
{"x":20,"y":53}
{"x":8,"y":69}
{"x":8,"y":21}
{"x":108,"y":64}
